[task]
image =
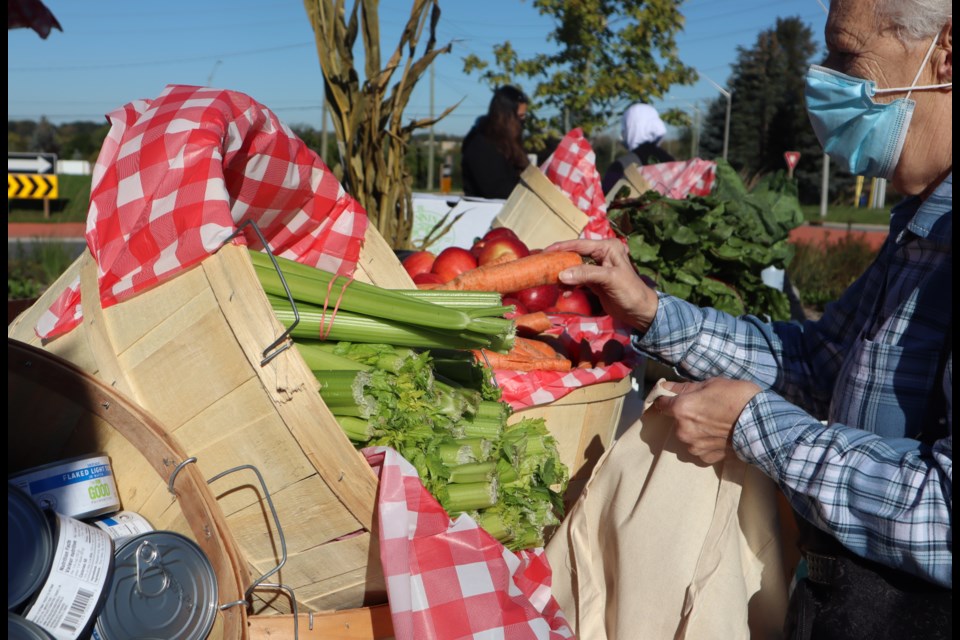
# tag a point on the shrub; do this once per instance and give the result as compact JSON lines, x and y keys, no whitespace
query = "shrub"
{"x":30,"y":272}
{"x":822,"y":271}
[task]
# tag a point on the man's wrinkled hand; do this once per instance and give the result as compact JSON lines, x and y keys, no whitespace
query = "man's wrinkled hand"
{"x":705,"y":413}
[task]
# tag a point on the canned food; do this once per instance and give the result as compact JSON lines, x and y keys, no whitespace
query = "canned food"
{"x":72,"y":594}
{"x":163,"y":587}
{"x":19,"y":628}
{"x":81,"y":487}
{"x":122,"y":525}
{"x":29,"y":547}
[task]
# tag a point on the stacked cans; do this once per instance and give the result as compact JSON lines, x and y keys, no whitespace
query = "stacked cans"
{"x":112,"y":577}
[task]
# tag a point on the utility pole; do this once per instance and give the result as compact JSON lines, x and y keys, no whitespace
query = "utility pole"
{"x":430,"y":147}
{"x":824,"y":187}
{"x":726,"y":124}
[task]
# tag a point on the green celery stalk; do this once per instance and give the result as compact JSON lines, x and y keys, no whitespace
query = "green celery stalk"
{"x":457,"y":498}
{"x":319,"y":358}
{"x":471,"y":472}
{"x":315,"y":286}
{"x":357,"y":429}
{"x":356,"y":328}
{"x":463,"y":300}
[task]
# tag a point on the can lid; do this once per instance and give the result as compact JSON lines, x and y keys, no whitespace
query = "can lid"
{"x":163,"y":587}
{"x":29,"y":547}
{"x":19,"y":628}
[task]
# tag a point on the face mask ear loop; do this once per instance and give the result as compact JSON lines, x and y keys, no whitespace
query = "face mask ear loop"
{"x":926,"y":59}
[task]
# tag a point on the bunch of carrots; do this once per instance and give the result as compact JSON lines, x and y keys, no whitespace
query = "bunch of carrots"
{"x":514,"y":275}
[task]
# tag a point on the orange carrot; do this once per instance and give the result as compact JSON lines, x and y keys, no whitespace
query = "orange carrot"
{"x":534,"y":322}
{"x":503,"y":361}
{"x":516,"y":275}
{"x":539,"y":349}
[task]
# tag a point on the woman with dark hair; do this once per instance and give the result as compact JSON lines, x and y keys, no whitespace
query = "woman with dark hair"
{"x":492,"y":156}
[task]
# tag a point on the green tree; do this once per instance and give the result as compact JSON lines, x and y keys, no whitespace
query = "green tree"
{"x":768,"y":116}
{"x":611,"y":53}
{"x":45,"y":137}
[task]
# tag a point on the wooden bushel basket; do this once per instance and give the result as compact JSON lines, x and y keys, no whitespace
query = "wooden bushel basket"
{"x":584,"y":423}
{"x":190,"y":353}
{"x":55,"y":411}
{"x":633,"y":180}
{"x":539,"y":213}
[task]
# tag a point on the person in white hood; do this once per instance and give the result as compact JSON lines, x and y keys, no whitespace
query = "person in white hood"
{"x":641,"y":132}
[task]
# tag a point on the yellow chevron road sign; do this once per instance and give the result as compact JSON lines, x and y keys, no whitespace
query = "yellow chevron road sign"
{"x":31,"y":186}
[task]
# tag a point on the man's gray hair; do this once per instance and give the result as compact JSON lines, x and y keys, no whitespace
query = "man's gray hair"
{"x":916,"y":19}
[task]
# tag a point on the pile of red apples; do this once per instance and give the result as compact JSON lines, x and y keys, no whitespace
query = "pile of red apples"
{"x":500,"y":243}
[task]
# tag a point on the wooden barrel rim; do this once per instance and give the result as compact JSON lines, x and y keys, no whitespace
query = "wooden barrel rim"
{"x":161,"y":451}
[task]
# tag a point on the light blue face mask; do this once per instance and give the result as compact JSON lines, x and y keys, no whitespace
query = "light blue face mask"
{"x":864,"y":136}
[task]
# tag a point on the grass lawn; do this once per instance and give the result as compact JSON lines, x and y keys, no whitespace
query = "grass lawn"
{"x":847,"y":214}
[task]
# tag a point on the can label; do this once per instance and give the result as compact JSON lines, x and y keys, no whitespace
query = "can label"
{"x":123,"y":525}
{"x":81,"y":488}
{"x":74,"y":588}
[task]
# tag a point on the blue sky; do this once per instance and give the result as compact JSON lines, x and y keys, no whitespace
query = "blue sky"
{"x":111,"y":52}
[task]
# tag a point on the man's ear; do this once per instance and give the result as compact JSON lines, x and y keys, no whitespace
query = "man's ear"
{"x":945,"y":66}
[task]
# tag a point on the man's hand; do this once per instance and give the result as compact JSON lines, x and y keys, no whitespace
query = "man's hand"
{"x":705,"y":413}
{"x":622,"y":293}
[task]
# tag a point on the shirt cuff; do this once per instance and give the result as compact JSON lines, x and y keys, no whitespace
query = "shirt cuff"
{"x":767,"y":431}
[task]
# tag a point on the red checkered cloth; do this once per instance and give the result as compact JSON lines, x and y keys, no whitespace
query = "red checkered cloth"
{"x":522,"y":389}
{"x":573,"y":169}
{"x":681,"y":179}
{"x":178,"y":175}
{"x":450,"y":578}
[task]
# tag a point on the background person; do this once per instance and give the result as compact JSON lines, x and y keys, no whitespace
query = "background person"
{"x":872,"y":485}
{"x":492,"y":155}
{"x":641,"y":131}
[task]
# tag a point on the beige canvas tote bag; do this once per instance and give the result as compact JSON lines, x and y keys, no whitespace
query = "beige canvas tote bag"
{"x":660,"y":545}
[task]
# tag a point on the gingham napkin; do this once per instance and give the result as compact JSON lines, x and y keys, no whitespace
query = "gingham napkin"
{"x":179,"y":174}
{"x":572,"y":167}
{"x":681,"y":179}
{"x":450,"y":578}
{"x":522,"y":389}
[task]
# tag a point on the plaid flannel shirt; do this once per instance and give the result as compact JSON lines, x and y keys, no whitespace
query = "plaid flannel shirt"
{"x":871,"y":367}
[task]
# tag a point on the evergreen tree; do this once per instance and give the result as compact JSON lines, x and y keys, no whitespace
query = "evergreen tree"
{"x":768,"y":115}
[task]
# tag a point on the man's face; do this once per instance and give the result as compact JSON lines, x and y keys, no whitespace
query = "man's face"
{"x":859,"y":44}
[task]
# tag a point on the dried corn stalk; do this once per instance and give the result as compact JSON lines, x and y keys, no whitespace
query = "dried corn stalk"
{"x":367,"y":116}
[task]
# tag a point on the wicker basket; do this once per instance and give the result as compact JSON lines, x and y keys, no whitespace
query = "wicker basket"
{"x":539,"y":213}
{"x":56,"y":411}
{"x":190,"y":352}
{"x":633,"y":180}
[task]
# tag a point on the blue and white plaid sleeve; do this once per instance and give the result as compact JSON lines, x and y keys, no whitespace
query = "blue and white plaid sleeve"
{"x":888,"y":499}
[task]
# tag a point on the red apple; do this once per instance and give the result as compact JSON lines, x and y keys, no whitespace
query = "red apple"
{"x":500,"y":232}
{"x":453,"y":261}
{"x":502,"y":249}
{"x":573,"y":301}
{"x":477,"y":248}
{"x":418,"y":262}
{"x":539,"y":298}
{"x":427,"y":277}
{"x":520,"y":308}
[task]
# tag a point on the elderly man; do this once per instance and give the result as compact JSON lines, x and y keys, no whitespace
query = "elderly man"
{"x":850,"y":415}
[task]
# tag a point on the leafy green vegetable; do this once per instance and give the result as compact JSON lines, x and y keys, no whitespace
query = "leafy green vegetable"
{"x":710,"y":250}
